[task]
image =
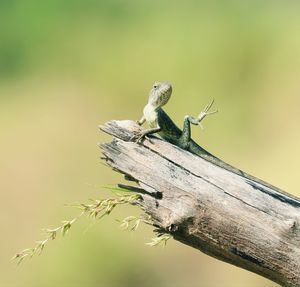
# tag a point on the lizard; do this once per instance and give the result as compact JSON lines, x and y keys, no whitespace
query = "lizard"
{"x":160,"y":123}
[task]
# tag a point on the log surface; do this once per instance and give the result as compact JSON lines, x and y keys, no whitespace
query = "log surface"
{"x":225,"y":215}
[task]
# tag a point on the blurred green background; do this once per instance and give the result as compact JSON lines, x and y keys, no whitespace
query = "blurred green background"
{"x":68,"y":65}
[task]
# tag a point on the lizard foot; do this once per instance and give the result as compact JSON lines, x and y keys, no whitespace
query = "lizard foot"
{"x":139,"y":138}
{"x":139,"y":122}
{"x":197,"y":121}
{"x":206,"y":111}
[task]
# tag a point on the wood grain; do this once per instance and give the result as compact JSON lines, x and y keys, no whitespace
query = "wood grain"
{"x":225,"y":215}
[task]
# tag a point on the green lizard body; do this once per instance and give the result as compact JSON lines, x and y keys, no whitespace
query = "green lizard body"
{"x":159,"y":122}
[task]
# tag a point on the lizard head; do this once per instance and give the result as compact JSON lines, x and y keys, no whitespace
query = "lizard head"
{"x":160,"y":94}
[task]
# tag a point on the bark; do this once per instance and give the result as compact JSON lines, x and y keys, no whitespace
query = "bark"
{"x":227,"y":216}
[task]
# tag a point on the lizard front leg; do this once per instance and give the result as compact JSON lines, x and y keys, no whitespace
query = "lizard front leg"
{"x":141,"y":121}
{"x":138,"y":138}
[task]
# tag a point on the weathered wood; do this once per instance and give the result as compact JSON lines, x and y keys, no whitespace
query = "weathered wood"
{"x":227,"y":216}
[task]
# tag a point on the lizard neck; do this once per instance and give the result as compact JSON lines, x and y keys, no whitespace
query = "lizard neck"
{"x":150,"y":114}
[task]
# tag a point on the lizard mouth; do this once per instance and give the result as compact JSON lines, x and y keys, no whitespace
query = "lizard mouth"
{"x":160,"y":94}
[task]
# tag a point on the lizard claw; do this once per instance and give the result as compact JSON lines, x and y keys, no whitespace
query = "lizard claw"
{"x":206,"y":111}
{"x":139,"y":138}
{"x":207,"y":108}
{"x":134,"y":138}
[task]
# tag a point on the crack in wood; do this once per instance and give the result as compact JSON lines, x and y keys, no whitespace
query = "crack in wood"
{"x":276,"y":195}
{"x":223,"y":214}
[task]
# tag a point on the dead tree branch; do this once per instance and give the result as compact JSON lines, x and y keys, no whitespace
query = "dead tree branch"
{"x":229,"y":217}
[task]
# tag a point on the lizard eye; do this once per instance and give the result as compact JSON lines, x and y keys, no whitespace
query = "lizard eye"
{"x":156,"y":85}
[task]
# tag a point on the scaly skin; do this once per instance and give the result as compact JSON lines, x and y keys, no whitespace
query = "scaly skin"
{"x":159,"y":122}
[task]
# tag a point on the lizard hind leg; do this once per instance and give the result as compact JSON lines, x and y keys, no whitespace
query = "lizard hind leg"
{"x":185,"y":137}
